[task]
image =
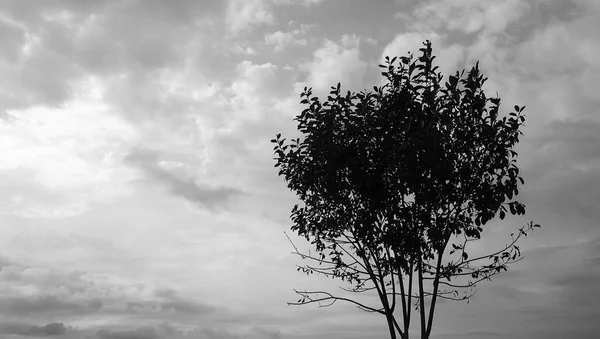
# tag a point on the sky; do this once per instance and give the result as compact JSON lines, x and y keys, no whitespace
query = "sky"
{"x":138,"y":198}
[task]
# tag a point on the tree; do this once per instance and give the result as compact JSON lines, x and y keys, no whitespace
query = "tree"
{"x":395,"y":183}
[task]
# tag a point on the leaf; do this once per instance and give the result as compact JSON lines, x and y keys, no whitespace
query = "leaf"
{"x":465,"y":256}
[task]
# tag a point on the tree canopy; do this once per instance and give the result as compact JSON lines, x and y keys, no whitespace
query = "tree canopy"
{"x":394,"y":183}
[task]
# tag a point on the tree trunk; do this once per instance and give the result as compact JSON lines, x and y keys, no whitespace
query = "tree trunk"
{"x":390,"y":321}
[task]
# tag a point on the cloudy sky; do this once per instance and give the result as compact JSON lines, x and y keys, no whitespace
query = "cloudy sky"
{"x":138,"y":198}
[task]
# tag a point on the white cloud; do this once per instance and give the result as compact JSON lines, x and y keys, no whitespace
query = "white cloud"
{"x":471,"y":16}
{"x":337,"y":62}
{"x":281,"y":39}
{"x":259,"y":94}
{"x":72,"y":153}
{"x":556,"y":67}
{"x":254,"y":81}
{"x":259,"y":84}
{"x":243,"y":14}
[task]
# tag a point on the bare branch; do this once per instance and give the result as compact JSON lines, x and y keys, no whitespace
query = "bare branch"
{"x":308,"y":298}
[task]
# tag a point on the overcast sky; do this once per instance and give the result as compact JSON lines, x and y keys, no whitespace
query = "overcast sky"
{"x":138,"y":198}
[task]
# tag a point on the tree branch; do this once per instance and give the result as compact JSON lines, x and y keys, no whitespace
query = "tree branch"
{"x":307,"y":298}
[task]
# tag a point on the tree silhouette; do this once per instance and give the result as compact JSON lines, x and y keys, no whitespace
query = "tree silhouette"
{"x":395,"y":183}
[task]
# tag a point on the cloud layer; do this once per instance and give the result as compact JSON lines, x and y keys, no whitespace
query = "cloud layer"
{"x":137,"y":193}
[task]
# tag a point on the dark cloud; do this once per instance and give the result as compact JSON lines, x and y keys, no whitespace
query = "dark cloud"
{"x":573,"y":194}
{"x":267,"y":333}
{"x":173,"y":303}
{"x":43,"y":78}
{"x":578,"y":285}
{"x":568,"y":142}
{"x":45,"y":279}
{"x":553,"y":293}
{"x":165,"y":293}
{"x":475,"y":335}
{"x":48,"y":330}
{"x":562,"y":176}
{"x":140,"y":333}
{"x":209,"y":333}
{"x":169,"y":302}
{"x":165,"y":331}
{"x":47,"y":304}
{"x":66,"y":306}
{"x":22,"y":329}
{"x":205,"y":195}
{"x":75,"y":294}
{"x":12,"y":38}
{"x":184,"y":307}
